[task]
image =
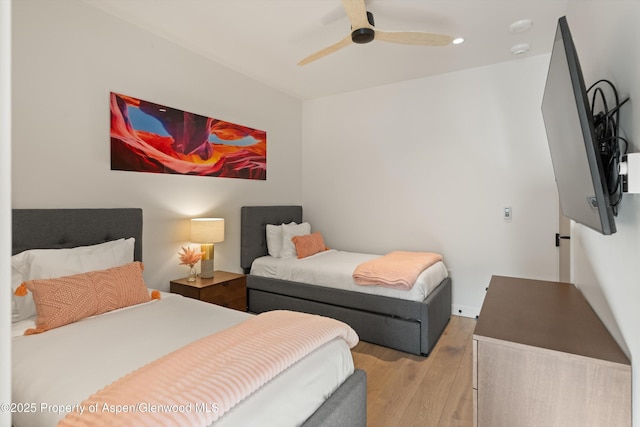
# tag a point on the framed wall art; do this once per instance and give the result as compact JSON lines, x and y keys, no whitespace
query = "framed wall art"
{"x":148,"y":137}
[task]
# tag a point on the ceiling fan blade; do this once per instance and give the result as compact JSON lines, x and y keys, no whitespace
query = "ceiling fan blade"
{"x":327,"y":50}
{"x":413,"y":37}
{"x":357,"y":13}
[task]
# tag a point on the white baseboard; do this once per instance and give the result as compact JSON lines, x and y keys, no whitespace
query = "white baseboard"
{"x":466,"y":311}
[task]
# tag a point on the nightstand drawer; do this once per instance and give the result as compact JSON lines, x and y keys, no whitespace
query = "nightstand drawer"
{"x":224,"y":289}
{"x":224,"y":293}
{"x":237,"y":304}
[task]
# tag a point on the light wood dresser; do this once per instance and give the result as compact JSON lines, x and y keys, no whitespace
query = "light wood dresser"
{"x":542,"y":357}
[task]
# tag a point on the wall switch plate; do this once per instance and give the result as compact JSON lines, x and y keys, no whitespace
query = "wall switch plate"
{"x":507,"y":213}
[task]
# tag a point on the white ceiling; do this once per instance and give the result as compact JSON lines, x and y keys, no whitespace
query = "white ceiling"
{"x":264,"y":39}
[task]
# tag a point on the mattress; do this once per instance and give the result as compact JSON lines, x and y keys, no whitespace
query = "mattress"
{"x":64,"y":366}
{"x":334,"y":269}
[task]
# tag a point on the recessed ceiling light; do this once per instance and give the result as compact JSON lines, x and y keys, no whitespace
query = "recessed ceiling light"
{"x":520,"y":26}
{"x":459,"y":40}
{"x":520,"y":49}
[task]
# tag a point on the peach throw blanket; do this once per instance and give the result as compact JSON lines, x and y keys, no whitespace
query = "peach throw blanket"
{"x":197,"y":384}
{"x":398,"y":270}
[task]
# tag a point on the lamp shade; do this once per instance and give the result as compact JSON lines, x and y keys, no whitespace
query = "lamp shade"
{"x":207,"y":230}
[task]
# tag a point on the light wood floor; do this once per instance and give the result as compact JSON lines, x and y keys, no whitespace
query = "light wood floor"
{"x":405,"y":390}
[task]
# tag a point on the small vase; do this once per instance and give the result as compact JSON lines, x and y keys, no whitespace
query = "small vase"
{"x":192,"y":274}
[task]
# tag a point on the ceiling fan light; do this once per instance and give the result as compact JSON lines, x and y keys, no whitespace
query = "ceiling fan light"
{"x":458,"y":40}
{"x":363,"y":35}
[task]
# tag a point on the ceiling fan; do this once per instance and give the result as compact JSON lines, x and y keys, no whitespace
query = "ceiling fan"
{"x":363,"y":31}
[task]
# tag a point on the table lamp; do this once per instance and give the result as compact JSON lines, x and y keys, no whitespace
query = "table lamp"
{"x":207,"y":231}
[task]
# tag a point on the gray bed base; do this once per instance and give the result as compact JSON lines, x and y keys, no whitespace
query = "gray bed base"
{"x":68,"y":228}
{"x":409,"y":326}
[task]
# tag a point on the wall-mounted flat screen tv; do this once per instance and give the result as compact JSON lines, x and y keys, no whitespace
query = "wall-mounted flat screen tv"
{"x":568,"y":119}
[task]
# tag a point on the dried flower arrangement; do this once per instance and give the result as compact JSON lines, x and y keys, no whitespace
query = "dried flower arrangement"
{"x":189,"y":256}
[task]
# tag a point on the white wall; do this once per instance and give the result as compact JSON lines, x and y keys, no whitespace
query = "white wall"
{"x":607,"y":268}
{"x":67,"y":57}
{"x":430,"y":164}
{"x":5,"y":208}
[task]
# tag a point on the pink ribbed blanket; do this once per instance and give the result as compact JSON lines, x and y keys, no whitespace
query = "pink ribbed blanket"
{"x":197,"y":384}
{"x":398,"y":270}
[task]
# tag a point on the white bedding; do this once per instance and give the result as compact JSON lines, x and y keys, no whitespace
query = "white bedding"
{"x":334,"y":269}
{"x":64,"y":366}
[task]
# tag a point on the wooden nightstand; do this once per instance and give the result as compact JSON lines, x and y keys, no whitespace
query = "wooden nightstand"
{"x":224,"y":288}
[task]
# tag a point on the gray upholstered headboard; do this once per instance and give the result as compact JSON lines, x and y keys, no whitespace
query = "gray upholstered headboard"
{"x":68,"y":228}
{"x":253,"y":229}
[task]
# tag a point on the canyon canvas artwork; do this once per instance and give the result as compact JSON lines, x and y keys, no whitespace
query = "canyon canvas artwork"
{"x":148,"y":137}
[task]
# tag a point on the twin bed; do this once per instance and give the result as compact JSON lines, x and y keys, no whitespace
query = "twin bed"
{"x":55,"y":370}
{"x":410,"y":321}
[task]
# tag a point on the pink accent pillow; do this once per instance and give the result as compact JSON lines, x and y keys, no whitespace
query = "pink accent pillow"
{"x":309,"y":244}
{"x":65,"y":300}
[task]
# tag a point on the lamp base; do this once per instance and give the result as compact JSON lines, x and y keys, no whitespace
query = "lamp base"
{"x":206,"y":268}
{"x":206,"y":262}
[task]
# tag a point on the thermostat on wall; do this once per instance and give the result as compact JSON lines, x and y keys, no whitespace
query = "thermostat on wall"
{"x":629,"y":170}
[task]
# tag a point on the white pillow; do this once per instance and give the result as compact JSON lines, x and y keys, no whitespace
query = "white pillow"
{"x":289,"y":231}
{"x":274,"y":239}
{"x":52,"y":263}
